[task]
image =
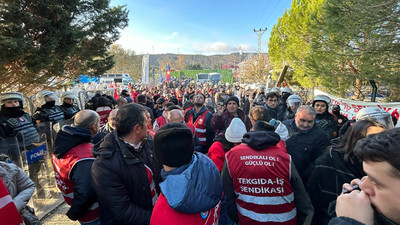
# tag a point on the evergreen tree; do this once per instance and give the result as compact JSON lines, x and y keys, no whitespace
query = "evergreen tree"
{"x":45,"y":42}
{"x":356,"y":41}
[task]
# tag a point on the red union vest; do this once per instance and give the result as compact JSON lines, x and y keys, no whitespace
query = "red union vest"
{"x":161,"y":120}
{"x":62,"y":168}
{"x":200,"y":126}
{"x":8,"y":211}
{"x":103,"y":112}
{"x":261,"y":180}
{"x":163,"y":214}
{"x":179,"y":95}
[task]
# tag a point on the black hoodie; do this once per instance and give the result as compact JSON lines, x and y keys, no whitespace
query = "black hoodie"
{"x":84,"y":195}
{"x":260,"y":140}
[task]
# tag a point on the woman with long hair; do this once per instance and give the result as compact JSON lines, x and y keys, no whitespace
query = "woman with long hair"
{"x":337,"y":166}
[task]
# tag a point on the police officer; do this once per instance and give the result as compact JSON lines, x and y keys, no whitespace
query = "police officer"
{"x":68,"y":107}
{"x":48,"y":111}
{"x":14,"y":119}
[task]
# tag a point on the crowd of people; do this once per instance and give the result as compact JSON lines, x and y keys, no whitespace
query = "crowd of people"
{"x":186,"y":153}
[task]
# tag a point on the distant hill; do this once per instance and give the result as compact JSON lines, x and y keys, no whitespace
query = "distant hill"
{"x":206,"y":62}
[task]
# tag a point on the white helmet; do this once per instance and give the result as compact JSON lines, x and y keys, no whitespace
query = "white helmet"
{"x":276,"y":90}
{"x":287,"y":90}
{"x":375,"y":114}
{"x":67,"y":94}
{"x":293,"y":99}
{"x":42,"y":95}
{"x":261,"y":87}
{"x":323,"y":98}
{"x":13,"y":95}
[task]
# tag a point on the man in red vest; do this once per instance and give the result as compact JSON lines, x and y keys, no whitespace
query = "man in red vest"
{"x":72,"y":162}
{"x":261,"y":183}
{"x":200,"y":118}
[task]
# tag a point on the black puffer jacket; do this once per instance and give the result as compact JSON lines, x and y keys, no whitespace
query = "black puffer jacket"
{"x":120,"y":180}
{"x":305,"y":147}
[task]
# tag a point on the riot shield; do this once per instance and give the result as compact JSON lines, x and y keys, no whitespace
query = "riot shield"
{"x":37,"y":160}
{"x":58,"y":126}
{"x":11,"y":148}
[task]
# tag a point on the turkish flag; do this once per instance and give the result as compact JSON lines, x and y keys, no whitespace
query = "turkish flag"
{"x":168,"y":75}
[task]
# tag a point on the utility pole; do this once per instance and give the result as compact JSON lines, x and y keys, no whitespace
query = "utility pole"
{"x":260,"y":33}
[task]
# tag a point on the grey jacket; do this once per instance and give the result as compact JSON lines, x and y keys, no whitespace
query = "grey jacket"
{"x":18,"y":184}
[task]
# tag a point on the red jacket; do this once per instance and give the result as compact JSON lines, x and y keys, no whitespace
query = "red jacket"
{"x":217,"y":154}
{"x":163,"y":214}
{"x":8,"y":212}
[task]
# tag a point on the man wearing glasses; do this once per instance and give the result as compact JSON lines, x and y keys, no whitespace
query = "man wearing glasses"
{"x":306,"y":141}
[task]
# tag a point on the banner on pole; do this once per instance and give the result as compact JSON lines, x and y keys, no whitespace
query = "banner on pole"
{"x":145,"y":69}
{"x":349,"y":108}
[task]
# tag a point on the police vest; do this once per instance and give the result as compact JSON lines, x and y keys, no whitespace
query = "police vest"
{"x":261,"y":180}
{"x":24,"y":125}
{"x":200,"y":126}
{"x":62,"y":168}
{"x":70,"y":111}
{"x":54,"y":114}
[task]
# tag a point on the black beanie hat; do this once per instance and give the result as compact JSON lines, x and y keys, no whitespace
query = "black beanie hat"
{"x":232,"y":98}
{"x":173,"y":144}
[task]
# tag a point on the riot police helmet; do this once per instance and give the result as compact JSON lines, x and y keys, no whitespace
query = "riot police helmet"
{"x":375,"y":114}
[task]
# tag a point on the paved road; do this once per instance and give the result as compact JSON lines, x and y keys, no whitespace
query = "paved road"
{"x":57,"y":216}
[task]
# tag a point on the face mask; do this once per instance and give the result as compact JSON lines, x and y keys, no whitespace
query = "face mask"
{"x":50,"y":104}
{"x":12,"y":111}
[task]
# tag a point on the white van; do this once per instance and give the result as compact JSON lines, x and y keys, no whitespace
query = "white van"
{"x":202,"y":77}
{"x":215,"y":78}
{"x":122,"y":78}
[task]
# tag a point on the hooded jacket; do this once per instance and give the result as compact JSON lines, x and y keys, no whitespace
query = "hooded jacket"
{"x":190,"y":194}
{"x":84,"y":195}
{"x":121,"y":181}
{"x":258,"y":141}
{"x":18,"y":184}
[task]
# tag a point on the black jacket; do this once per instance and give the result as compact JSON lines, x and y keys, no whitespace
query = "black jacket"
{"x":327,"y":123}
{"x":84,"y":194}
{"x":104,"y":130}
{"x":305,"y":147}
{"x":120,"y":180}
{"x":325,"y":182}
